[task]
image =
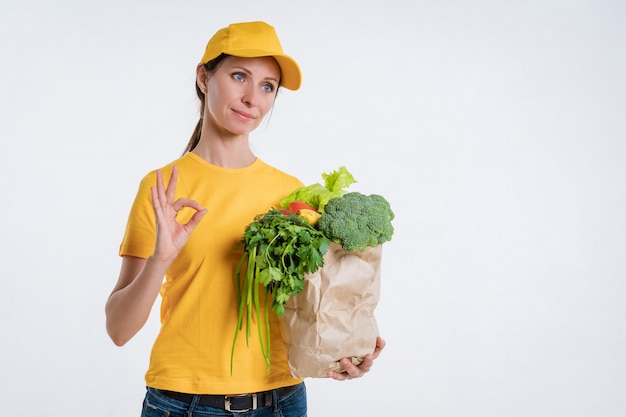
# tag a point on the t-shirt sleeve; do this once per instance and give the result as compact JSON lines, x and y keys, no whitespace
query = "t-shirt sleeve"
{"x":140,"y":235}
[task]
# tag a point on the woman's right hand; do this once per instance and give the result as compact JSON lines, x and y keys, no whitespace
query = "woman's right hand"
{"x":171,"y":235}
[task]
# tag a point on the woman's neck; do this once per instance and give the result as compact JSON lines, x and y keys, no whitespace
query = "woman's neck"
{"x":227,"y":152}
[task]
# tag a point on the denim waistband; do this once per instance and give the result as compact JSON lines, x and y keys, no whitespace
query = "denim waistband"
{"x":238,"y":403}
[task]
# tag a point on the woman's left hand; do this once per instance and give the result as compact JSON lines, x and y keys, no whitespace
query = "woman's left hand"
{"x":356,"y":371}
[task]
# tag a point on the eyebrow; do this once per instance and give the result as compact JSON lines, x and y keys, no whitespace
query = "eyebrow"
{"x":247,"y":71}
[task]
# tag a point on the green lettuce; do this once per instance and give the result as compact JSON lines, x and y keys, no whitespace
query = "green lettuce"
{"x":317,"y":195}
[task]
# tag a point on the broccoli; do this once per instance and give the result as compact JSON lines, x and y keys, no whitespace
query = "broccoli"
{"x":356,"y":221}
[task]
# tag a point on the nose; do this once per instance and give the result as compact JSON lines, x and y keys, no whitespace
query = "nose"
{"x":250,"y":96}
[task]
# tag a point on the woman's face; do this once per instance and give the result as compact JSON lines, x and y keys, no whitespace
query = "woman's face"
{"x":240,"y":93}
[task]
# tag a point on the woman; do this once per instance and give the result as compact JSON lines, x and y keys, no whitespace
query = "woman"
{"x":214,"y":190}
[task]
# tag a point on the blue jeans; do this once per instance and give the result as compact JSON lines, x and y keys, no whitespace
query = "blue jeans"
{"x":293,"y":404}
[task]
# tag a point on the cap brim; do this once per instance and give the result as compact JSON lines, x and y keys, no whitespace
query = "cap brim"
{"x":291,"y":77}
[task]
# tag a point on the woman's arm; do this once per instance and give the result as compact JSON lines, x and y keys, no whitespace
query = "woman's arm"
{"x":139,"y":282}
{"x":132,"y":298}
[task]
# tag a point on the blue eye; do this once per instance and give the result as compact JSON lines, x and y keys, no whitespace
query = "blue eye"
{"x":238,"y":76}
{"x":268,"y":88}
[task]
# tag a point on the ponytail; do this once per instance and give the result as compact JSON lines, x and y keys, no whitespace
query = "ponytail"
{"x":197,"y":132}
{"x":195,"y":137}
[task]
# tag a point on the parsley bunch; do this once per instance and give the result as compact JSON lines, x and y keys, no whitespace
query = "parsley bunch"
{"x":279,"y":249}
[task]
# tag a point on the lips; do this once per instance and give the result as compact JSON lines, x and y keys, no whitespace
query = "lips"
{"x":244,"y":115}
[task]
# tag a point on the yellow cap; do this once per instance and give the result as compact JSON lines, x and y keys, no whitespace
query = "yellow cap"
{"x":252,"y":40}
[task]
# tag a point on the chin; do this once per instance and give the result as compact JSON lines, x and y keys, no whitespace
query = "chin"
{"x":241,"y":131}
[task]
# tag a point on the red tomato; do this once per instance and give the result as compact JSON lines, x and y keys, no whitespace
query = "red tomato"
{"x":296,"y":206}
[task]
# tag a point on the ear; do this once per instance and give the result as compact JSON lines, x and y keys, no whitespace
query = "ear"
{"x":201,"y":77}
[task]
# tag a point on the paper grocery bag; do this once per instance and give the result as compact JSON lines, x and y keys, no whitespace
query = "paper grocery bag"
{"x":333,"y":316}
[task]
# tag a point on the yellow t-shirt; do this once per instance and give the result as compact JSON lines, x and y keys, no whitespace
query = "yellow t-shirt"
{"x":199,"y":303}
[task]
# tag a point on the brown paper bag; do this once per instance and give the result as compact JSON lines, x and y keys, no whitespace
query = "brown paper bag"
{"x":333,"y":316}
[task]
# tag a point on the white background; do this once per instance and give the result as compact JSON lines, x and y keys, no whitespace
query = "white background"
{"x":496,"y":129}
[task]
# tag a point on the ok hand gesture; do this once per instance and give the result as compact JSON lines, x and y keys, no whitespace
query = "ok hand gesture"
{"x":171,"y":235}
